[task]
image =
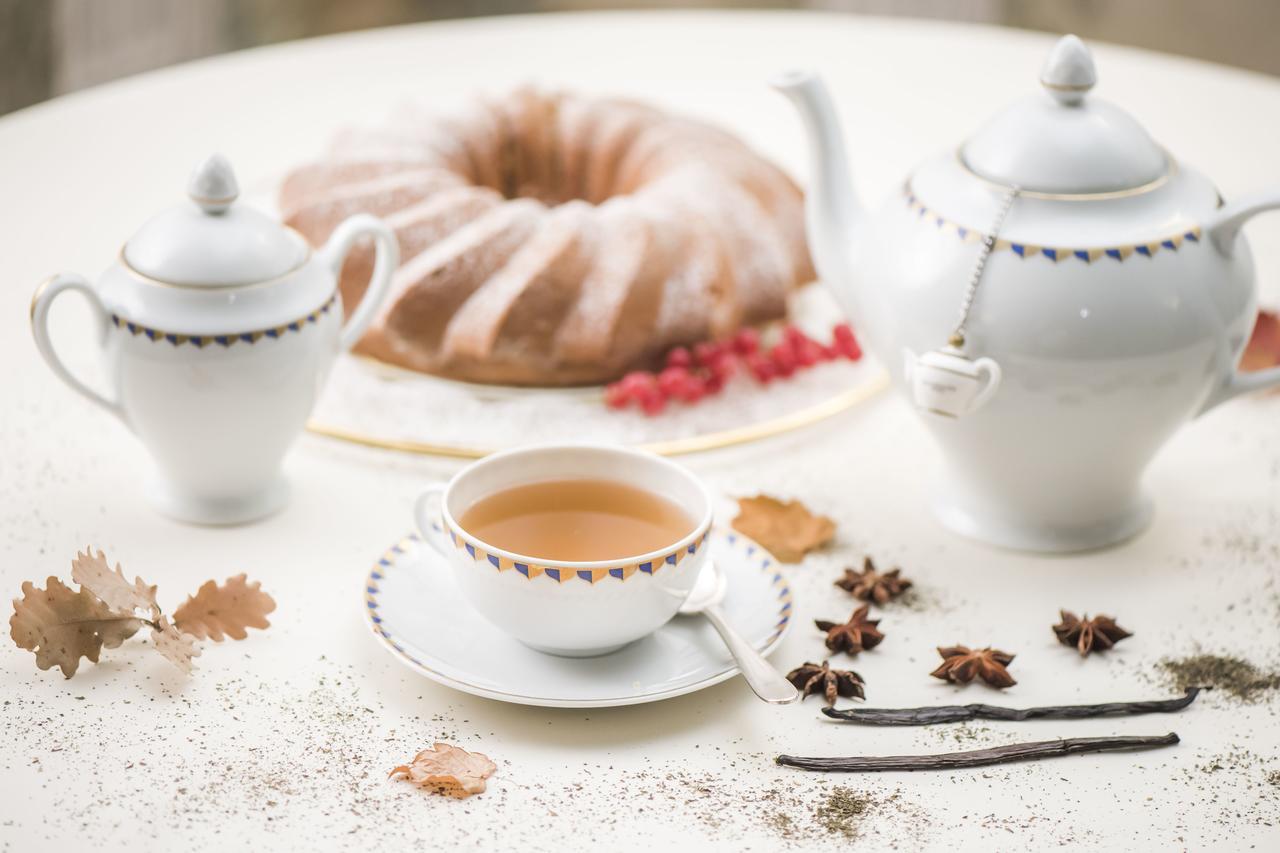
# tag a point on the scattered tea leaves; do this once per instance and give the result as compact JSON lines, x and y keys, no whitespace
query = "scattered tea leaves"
{"x":1235,"y":676}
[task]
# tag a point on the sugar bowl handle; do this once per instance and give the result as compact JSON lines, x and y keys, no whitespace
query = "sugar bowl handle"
{"x":41,"y":302}
{"x":386,"y":259}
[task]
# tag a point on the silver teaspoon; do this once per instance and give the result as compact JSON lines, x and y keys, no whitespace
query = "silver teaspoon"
{"x":766,"y":681}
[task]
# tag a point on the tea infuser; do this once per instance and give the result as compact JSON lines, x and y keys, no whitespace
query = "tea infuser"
{"x":946,"y":357}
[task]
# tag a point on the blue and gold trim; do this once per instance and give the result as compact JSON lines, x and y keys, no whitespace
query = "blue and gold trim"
{"x":754,"y":554}
{"x":225,"y":340}
{"x":620,"y":572}
{"x":1053,"y":253}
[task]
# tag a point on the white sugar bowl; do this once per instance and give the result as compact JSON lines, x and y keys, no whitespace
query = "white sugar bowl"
{"x":218,"y":326}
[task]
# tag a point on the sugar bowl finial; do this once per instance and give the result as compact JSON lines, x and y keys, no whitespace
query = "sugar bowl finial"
{"x":1068,"y":73}
{"x":213,"y":184}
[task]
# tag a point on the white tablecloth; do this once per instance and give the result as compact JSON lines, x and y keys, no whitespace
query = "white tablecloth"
{"x":284,"y":740}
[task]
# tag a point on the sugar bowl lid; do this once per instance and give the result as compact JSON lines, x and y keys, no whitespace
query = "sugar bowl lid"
{"x":213,"y":242}
{"x":1061,"y":141}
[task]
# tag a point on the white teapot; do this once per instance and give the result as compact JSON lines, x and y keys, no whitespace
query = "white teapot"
{"x":1116,"y":298}
{"x":218,"y":326}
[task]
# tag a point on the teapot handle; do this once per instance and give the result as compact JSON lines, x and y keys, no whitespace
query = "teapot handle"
{"x":1224,"y":230}
{"x":386,"y":259}
{"x":41,"y":302}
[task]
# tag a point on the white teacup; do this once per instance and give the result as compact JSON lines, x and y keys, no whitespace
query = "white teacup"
{"x":577,"y":609}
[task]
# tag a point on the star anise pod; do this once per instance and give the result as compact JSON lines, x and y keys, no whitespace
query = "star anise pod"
{"x":961,"y":664}
{"x":871,"y":585}
{"x":1099,"y":633}
{"x":812,"y":680}
{"x":853,"y":636}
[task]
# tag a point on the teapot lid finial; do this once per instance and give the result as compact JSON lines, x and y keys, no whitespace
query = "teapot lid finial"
{"x":1067,"y":144}
{"x":1068,"y":73}
{"x":213,"y":184}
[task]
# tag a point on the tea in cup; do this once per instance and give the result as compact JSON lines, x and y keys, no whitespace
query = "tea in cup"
{"x":574,"y":550}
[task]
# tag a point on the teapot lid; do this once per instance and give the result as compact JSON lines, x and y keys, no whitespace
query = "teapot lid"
{"x":1063,"y":142}
{"x":213,"y":242}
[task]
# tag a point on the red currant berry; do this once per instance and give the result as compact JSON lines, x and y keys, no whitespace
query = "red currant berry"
{"x":616,"y":396}
{"x":706,"y":352}
{"x":746,"y":341}
{"x":680,"y":357}
{"x":784,"y":359}
{"x":761,"y":367}
{"x":794,"y":335}
{"x":653,"y":401}
{"x":808,"y":352}
{"x":670,"y":380}
{"x":636,"y":382}
{"x":692,"y":389}
{"x":723,"y":366}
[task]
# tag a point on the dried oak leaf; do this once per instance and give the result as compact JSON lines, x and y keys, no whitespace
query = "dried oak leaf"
{"x":857,"y":634}
{"x":61,"y":625}
{"x":94,"y":574}
{"x":178,"y":648}
{"x":448,"y":770}
{"x":785,"y":528}
{"x":1263,"y":349}
{"x":872,"y":585}
{"x":1097,"y":634}
{"x":814,"y":680}
{"x":228,"y":609}
{"x":961,"y":664}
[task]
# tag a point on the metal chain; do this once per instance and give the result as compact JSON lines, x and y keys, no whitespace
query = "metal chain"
{"x":988,"y":245}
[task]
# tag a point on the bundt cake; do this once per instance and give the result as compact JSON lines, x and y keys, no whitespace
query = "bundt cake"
{"x":556,"y":239}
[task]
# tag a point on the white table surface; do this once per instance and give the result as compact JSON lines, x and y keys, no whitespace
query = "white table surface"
{"x":284,"y":740}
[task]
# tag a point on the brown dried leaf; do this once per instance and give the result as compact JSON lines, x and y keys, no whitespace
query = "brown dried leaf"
{"x":94,"y":574}
{"x":1263,"y":349}
{"x":61,"y":625}
{"x":448,"y":770}
{"x":786,"y":528}
{"x":178,"y":648}
{"x":227,"y":609}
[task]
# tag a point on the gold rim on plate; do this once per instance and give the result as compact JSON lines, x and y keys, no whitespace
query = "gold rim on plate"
{"x":671,"y":447}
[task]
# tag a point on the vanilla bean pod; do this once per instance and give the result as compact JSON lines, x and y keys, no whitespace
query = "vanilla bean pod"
{"x":978,"y":711}
{"x":978,"y":757}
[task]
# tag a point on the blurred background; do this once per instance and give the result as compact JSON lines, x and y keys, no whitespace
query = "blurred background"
{"x":50,"y":47}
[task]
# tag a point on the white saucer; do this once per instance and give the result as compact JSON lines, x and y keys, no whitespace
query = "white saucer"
{"x":420,"y":616}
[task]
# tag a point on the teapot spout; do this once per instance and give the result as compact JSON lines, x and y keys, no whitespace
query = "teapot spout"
{"x":832,"y":210}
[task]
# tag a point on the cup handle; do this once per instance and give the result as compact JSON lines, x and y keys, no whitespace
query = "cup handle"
{"x":386,"y":259}
{"x":41,"y":302}
{"x":427,"y":515}
{"x":994,"y":375}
